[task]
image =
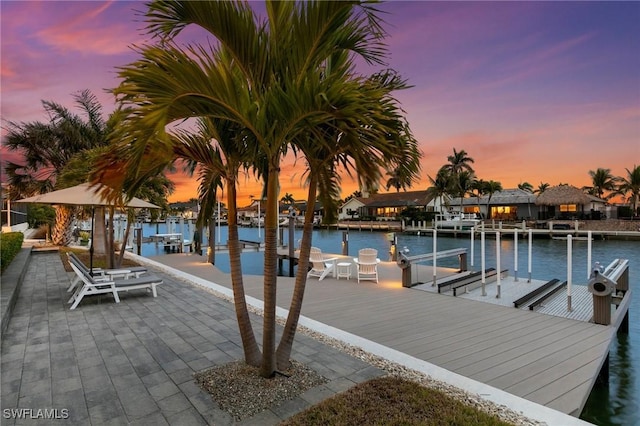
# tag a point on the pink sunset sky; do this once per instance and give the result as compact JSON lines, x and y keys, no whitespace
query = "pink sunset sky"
{"x":533,"y":91}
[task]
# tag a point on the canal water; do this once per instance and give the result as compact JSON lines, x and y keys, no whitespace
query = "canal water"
{"x":616,"y":403}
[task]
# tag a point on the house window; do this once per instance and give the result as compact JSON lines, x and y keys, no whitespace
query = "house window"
{"x":567,"y":208}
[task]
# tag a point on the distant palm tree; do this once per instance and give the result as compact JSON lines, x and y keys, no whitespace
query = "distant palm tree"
{"x":602,"y":180}
{"x":478,"y":187}
{"x":526,"y":186}
{"x":459,"y":161}
{"x":631,"y":185}
{"x":462,"y":184}
{"x":396,"y":180}
{"x":541,"y":188}
{"x":491,"y":188}
{"x":440,"y":185}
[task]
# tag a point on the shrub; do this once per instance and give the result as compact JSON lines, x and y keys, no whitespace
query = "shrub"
{"x":10,"y":245}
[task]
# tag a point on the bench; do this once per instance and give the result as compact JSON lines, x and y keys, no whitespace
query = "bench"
{"x":467,"y":277}
{"x":554,"y":290}
{"x":529,"y":296}
{"x":489,"y":273}
{"x":104,"y":285}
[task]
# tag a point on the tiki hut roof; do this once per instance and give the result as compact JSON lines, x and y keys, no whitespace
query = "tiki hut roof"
{"x":563,"y":194}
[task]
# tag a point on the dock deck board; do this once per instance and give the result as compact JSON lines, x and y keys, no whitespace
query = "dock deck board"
{"x":544,"y":358}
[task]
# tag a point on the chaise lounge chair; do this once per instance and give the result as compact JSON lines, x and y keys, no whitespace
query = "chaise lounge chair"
{"x":101,"y":285}
{"x":103,"y":274}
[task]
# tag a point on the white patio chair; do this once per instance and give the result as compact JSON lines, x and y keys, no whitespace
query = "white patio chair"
{"x":320,"y":266}
{"x":367,"y":264}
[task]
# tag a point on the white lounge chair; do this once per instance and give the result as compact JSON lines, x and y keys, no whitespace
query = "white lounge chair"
{"x":103,"y":274}
{"x":321,"y":266}
{"x":96,"y":285}
{"x":367,"y":264}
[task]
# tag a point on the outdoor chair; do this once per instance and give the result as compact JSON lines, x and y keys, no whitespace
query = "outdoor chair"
{"x":97,"y":285}
{"x":103,"y":274}
{"x":367,"y":264}
{"x":320,"y":266}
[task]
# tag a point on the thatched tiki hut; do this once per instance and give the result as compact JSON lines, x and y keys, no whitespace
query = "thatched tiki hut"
{"x":563,"y":202}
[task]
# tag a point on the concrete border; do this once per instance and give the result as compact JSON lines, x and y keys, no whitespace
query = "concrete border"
{"x":528,"y":408}
{"x":10,"y":284}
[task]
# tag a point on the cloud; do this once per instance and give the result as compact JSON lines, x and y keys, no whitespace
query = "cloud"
{"x":89,"y":28}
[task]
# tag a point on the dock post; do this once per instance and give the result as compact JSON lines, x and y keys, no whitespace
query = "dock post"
{"x":484,"y":278}
{"x":291,"y":243}
{"x":211,"y":251}
{"x":498,"y":275}
{"x":515,"y":254}
{"x":472,"y":241}
{"x":435,"y":251}
{"x":530,"y":254}
{"x":569,"y":270}
{"x":345,"y":243}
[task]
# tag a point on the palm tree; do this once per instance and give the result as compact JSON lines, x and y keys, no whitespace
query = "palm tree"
{"x":541,"y":188}
{"x":461,"y":185}
{"x":526,"y":186}
{"x":459,"y":162}
{"x":272,"y":80}
{"x":387,"y":143}
{"x":631,"y":185}
{"x":479,"y":186}
{"x":491,"y":187}
{"x":440,"y":185}
{"x":397,"y":180}
{"x":47,"y":147}
{"x":602,"y":180}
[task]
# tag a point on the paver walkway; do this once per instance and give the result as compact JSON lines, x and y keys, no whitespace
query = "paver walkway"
{"x":132,"y":362}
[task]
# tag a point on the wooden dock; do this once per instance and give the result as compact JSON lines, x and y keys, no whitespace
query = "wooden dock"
{"x":547,"y":359}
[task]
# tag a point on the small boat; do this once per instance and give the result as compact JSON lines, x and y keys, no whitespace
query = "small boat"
{"x":456,"y":220}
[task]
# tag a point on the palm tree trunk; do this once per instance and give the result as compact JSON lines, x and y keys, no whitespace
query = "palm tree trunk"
{"x":283,"y":354}
{"x":62,"y":232}
{"x":249,"y":344}
{"x":125,"y":238}
{"x":268,"y":366}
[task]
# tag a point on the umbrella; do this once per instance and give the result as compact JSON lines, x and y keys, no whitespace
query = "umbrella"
{"x":83,"y":195}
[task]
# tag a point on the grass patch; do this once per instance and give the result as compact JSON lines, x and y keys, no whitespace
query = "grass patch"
{"x":392,"y":400}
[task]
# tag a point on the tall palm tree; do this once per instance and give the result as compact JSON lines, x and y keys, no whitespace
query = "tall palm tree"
{"x":270,"y":79}
{"x":362,"y":149}
{"x":602,"y":180}
{"x":630,"y":184}
{"x":461,"y":171}
{"x":459,"y":162}
{"x":47,"y":147}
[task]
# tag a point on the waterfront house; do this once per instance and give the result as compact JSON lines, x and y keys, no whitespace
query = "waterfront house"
{"x":569,"y":202}
{"x":509,"y":205}
{"x":387,"y":206}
